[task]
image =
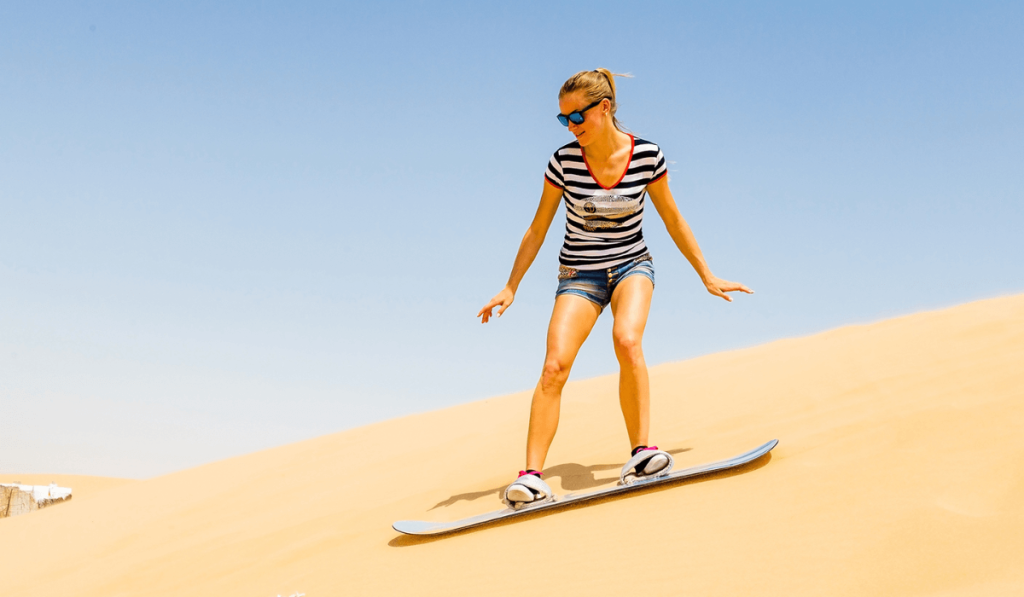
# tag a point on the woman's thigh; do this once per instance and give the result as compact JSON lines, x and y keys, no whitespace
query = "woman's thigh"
{"x":571,"y":321}
{"x":631,"y":304}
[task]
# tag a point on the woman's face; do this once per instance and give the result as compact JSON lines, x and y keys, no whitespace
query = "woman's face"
{"x":594,"y":119}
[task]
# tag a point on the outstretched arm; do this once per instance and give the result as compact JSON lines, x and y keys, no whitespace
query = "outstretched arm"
{"x":681,"y":234}
{"x":532,"y":241}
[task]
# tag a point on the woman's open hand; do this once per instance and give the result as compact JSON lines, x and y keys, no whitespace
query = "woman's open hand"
{"x":503,"y":298}
{"x":720,"y":287}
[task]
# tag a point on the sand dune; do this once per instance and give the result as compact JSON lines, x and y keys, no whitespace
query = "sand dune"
{"x":900,"y":472}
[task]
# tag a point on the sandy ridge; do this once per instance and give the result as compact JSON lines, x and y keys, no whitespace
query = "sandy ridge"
{"x":900,"y":472}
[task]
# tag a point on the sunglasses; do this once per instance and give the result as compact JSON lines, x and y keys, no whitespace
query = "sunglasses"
{"x":577,"y":116}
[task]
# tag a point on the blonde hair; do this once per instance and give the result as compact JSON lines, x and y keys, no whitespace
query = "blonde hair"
{"x":595,"y":85}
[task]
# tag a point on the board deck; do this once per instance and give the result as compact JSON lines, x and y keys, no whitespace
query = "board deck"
{"x":419,"y":527}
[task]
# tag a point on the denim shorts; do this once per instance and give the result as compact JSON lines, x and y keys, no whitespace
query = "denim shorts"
{"x":597,"y":285}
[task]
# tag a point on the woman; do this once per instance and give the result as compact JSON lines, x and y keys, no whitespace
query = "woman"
{"x":603,"y":176}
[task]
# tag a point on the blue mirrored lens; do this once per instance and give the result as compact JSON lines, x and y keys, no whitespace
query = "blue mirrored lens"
{"x":563,"y":120}
{"x":576,"y":118}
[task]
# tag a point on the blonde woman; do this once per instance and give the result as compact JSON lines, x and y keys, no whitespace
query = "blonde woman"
{"x":603,"y":176}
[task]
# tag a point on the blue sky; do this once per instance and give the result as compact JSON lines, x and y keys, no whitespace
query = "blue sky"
{"x":228,"y":226}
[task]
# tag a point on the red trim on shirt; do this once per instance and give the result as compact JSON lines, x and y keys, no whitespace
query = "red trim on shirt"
{"x":548,"y":180}
{"x":663,"y":175}
{"x":629,"y":162}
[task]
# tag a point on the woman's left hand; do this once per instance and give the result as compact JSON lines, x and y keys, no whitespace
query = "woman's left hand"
{"x":720,"y":287}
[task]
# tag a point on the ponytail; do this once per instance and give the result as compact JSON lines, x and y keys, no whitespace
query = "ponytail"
{"x":595,"y":86}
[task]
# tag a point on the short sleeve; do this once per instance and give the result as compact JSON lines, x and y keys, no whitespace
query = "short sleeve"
{"x":554,"y":172}
{"x":660,"y":167}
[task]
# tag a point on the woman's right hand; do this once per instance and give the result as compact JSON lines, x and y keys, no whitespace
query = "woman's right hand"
{"x":503,"y":298}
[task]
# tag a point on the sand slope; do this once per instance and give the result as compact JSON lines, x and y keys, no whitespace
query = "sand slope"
{"x":900,"y":472}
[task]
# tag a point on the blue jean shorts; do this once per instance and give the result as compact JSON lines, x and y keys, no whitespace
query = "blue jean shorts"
{"x":597,"y":285}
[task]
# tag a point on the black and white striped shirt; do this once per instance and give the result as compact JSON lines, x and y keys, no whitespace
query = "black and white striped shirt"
{"x":603,"y":225}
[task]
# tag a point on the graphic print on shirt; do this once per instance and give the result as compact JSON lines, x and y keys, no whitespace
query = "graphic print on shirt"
{"x":603,"y":226}
{"x":604,"y":211}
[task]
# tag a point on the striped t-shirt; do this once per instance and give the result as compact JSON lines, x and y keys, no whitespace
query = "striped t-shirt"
{"x":603,"y":225}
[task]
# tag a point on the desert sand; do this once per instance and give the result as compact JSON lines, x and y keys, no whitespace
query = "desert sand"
{"x":900,"y":471}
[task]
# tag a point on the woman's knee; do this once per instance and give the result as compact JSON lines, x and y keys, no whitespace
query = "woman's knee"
{"x":555,"y":374}
{"x":628,"y":347}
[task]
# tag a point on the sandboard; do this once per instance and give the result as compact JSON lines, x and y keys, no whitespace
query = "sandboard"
{"x":419,"y":527}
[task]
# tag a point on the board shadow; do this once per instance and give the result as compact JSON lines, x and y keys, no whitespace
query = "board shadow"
{"x":574,"y":477}
{"x":403,"y":540}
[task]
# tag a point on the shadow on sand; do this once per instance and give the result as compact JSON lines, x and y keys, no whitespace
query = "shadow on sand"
{"x":575,"y":477}
{"x":411,"y":540}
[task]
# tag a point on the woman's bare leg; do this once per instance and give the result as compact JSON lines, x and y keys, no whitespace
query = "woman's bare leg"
{"x":571,"y":321}
{"x":631,"y":303}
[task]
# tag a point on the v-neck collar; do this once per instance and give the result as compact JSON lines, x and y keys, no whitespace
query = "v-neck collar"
{"x":632,"y":146}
